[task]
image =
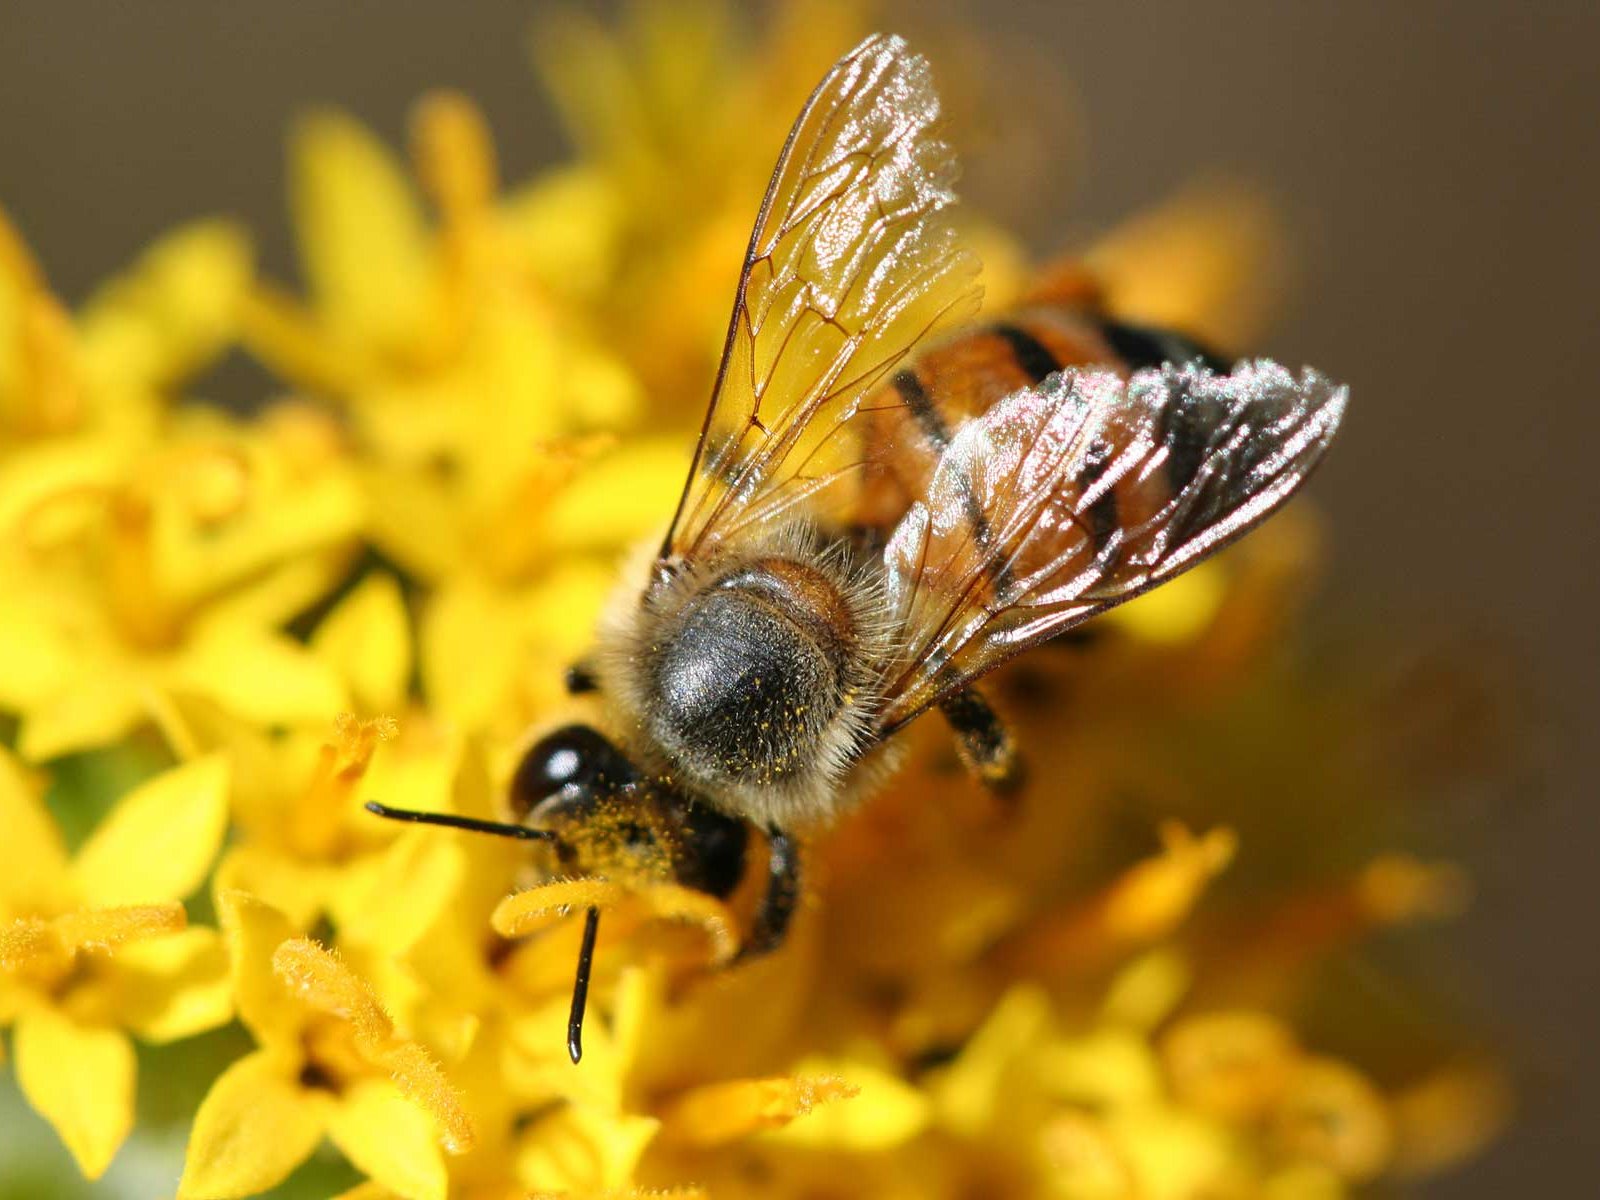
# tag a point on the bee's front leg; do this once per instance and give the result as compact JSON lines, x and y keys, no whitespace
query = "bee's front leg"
{"x":777,"y":907}
{"x":983,"y":741}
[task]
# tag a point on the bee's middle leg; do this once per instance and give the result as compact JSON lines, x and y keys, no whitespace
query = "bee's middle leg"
{"x":777,"y":907}
{"x":983,"y":741}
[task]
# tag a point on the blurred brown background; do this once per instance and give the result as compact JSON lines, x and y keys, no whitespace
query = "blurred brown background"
{"x":1436,"y":159}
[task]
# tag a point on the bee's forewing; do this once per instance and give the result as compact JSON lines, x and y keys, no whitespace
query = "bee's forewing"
{"x":1068,"y":498}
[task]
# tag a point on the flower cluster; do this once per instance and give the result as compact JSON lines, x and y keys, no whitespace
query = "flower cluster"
{"x":369,"y":587}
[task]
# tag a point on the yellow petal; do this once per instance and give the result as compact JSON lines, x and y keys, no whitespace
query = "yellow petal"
{"x":717,"y":1113}
{"x":33,"y":862}
{"x":80,"y":716}
{"x":880,"y":1110}
{"x":33,"y":942}
{"x":110,"y":928}
{"x":1157,"y":894}
{"x":254,"y":929}
{"x":1175,"y":1153}
{"x":388,"y":905}
{"x":243,"y":505}
{"x":968,"y":1094}
{"x":619,"y":497}
{"x":416,"y":768}
{"x":602,"y":393}
{"x":469,"y":640}
{"x":1177,"y":612}
{"x":1396,"y":888}
{"x":1086,"y":1161}
{"x":1234,"y":1065}
{"x":50,"y":491}
{"x":320,"y":980}
{"x":1333,"y":1115}
{"x":254,"y":1127}
{"x":316,"y":977}
{"x":160,"y":840}
{"x":174,"y":310}
{"x":46,"y":367}
{"x":453,"y":154}
{"x":296,"y":888}
{"x":80,"y":1079}
{"x":419,"y":522}
{"x":261,"y":676}
{"x":1144,"y":993}
{"x":366,"y":1191}
{"x":19,"y":271}
{"x":567,"y":226}
{"x":279,"y":331}
{"x":174,"y":987}
{"x":363,"y":246}
{"x":389,"y":1138}
{"x":39,"y":654}
{"x":1105,"y":1069}
{"x":1450,"y":1116}
{"x":579,"y":1149}
{"x":367,"y":640}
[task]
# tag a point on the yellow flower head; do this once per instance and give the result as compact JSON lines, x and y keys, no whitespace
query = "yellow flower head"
{"x":369,"y":587}
{"x":96,"y":946}
{"x":329,"y":1063}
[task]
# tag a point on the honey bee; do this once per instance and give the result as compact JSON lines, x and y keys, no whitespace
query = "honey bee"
{"x":882,"y":508}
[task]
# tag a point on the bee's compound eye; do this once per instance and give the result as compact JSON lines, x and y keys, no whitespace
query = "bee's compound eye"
{"x":574,"y":761}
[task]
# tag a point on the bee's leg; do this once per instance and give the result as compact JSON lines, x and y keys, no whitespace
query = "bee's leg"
{"x":580,"y":678}
{"x":983,"y":741}
{"x":771,"y":922}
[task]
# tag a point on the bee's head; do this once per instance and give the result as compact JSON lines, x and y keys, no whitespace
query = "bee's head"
{"x":578,"y":786}
{"x":577,"y":793}
{"x":607,"y":818}
{"x":569,"y":768}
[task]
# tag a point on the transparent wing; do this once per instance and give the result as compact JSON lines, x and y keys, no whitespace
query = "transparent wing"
{"x":853,"y":261}
{"x":1068,"y":498}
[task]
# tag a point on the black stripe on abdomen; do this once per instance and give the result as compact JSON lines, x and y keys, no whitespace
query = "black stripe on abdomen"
{"x":1140,"y":346}
{"x":1032,"y":355}
{"x":922,"y":407}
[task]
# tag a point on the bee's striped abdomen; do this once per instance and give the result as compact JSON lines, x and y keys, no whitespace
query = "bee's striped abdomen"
{"x":913,"y":419}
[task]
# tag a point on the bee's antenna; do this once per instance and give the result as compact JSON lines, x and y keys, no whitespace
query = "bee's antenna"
{"x":451,"y":821}
{"x":580,"y":985}
{"x":591,"y":922}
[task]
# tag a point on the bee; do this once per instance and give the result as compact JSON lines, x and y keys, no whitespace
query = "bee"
{"x":886,"y":502}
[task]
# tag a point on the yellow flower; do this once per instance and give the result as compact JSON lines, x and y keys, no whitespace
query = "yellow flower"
{"x":368,"y":590}
{"x":111,"y":372}
{"x":148,"y":551}
{"x":469,"y":389}
{"x":94,"y":947}
{"x":134,"y":583}
{"x":676,"y":116}
{"x":329,"y":1064}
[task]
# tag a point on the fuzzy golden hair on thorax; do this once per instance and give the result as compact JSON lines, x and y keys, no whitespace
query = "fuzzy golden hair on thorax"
{"x":750,"y":677}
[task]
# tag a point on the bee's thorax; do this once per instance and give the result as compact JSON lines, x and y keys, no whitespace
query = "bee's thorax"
{"x":750,"y":680}
{"x":750,"y":672}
